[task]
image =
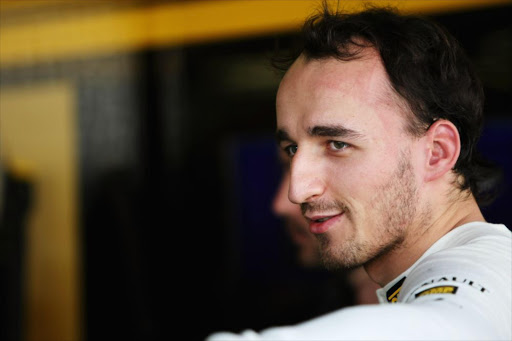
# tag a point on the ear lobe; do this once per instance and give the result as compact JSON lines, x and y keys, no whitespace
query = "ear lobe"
{"x":444,"y":148}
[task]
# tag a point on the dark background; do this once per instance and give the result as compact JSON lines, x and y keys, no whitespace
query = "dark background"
{"x":182,"y":242}
{"x":178,"y":169}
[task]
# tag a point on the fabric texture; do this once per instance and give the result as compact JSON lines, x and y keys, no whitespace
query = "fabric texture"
{"x":459,"y":289}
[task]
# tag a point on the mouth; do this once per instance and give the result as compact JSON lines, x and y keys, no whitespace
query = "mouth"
{"x":319,"y":224}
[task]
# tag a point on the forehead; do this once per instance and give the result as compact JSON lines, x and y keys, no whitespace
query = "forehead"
{"x":326,"y":91}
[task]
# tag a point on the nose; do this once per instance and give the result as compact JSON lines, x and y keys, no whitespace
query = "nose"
{"x":306,"y":182}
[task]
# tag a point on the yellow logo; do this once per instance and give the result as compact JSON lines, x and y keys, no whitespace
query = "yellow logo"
{"x":394,"y":296}
{"x":445,"y":289}
{"x":392,"y":293}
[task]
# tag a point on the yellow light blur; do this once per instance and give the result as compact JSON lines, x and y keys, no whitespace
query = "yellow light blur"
{"x":78,"y":35}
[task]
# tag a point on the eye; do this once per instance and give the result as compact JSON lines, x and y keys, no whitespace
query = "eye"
{"x":290,"y":150}
{"x":338,"y":145}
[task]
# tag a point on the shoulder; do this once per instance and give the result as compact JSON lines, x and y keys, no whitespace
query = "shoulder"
{"x":473,"y":243}
{"x":471,"y":269}
{"x":478,"y":250}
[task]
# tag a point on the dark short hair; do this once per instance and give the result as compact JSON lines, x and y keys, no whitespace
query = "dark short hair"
{"x":426,"y":66}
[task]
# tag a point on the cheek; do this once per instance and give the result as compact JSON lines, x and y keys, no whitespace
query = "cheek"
{"x":354,"y":182}
{"x":355,"y":187}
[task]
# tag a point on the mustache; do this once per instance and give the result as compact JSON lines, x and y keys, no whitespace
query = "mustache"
{"x":322,"y":206}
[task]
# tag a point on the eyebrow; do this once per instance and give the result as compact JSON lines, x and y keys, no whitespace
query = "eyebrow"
{"x":334,"y":131}
{"x":282,"y":135}
{"x":323,"y":131}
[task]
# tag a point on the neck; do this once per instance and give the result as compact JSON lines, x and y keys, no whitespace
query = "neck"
{"x":420,"y":237}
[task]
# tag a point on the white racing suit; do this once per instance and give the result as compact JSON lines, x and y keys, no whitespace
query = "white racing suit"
{"x":460,"y":289}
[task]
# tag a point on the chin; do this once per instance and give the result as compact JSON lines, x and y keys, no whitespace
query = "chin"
{"x":344,"y":256}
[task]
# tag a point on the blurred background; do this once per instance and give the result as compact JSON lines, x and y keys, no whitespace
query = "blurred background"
{"x":138,"y":162}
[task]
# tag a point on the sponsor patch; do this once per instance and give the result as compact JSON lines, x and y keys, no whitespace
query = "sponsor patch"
{"x":465,"y":281}
{"x":392,"y":293}
{"x":443,"y":289}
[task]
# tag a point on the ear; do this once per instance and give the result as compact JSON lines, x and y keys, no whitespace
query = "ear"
{"x":443,"y":142}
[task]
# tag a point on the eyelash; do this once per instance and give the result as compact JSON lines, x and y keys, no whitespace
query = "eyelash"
{"x":292,"y":149}
{"x":344,"y":145}
{"x":288,"y":151}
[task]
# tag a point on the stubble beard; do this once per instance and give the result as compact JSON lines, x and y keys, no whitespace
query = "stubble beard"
{"x":396,"y":205}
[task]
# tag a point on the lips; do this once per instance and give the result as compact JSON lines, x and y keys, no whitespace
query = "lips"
{"x":319,"y":224}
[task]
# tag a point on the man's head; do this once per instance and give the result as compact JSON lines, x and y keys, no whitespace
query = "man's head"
{"x":380,"y":115}
{"x":425,"y":67}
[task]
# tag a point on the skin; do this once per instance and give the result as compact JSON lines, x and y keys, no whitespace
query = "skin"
{"x":308,"y":251}
{"x":383,"y":196}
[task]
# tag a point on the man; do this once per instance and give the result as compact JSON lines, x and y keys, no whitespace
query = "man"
{"x":380,"y":115}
